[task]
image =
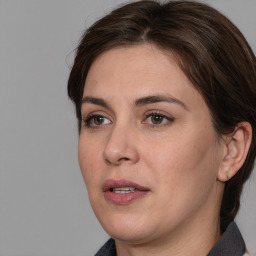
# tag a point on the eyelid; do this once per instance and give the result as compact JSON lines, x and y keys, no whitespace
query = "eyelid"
{"x":149,"y":113}
{"x":90,"y":116}
{"x":158,"y":112}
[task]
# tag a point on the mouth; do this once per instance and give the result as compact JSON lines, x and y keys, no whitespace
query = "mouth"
{"x":123,"y":191}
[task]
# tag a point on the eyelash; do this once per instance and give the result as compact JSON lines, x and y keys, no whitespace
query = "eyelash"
{"x":89,"y":118}
{"x":158,"y":114}
{"x":87,"y":121}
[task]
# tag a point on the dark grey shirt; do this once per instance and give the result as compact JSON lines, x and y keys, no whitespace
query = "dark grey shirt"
{"x":231,"y":243}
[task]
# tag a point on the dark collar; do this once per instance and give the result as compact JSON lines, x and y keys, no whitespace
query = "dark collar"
{"x":230,"y":243}
{"x":108,"y":249}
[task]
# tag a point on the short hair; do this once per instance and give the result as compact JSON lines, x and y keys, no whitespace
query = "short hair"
{"x":209,"y":49}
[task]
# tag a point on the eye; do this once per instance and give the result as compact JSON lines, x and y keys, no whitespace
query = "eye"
{"x":96,"y":120}
{"x":157,"y":119}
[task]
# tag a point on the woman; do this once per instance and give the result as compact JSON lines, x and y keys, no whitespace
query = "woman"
{"x":165,"y":97}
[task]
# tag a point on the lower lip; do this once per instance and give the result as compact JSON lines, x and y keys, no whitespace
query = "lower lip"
{"x":123,"y":198}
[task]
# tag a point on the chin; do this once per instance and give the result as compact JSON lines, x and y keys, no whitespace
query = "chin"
{"x":131,"y":236}
{"x":132,"y":229}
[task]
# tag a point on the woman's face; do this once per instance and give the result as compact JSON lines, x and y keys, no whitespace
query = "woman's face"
{"x":147,"y":150}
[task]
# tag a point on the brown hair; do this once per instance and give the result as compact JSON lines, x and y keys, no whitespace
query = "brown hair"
{"x":209,"y":49}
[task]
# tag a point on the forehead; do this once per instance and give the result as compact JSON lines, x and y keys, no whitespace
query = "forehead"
{"x":138,"y":71}
{"x":143,"y":62}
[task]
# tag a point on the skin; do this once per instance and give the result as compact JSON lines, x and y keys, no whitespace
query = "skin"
{"x":179,"y":158}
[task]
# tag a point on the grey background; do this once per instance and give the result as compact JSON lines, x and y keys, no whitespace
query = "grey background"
{"x":44,"y":209}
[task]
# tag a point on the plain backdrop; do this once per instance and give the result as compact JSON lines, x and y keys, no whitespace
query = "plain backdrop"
{"x":44,"y":208}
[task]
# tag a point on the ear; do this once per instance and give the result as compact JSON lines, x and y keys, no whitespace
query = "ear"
{"x":237,"y":145}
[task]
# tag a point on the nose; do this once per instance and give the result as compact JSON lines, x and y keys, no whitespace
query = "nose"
{"x":121,"y":147}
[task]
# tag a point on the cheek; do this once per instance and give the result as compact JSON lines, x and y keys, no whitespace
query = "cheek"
{"x":185,"y":174}
{"x":88,"y":157}
{"x":192,"y":158}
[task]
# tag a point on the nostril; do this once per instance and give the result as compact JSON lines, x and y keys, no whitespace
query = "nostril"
{"x":119,"y":161}
{"x":123,"y":159}
{"x":107,"y":162}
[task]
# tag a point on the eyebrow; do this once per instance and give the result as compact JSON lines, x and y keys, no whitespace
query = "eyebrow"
{"x":159,"y":98}
{"x":139,"y":102}
{"x":96,"y":101}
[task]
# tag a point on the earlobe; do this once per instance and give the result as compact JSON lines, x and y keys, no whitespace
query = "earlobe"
{"x":237,"y":146}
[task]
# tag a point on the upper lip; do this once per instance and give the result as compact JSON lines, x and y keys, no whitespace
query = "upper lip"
{"x":110,"y":184}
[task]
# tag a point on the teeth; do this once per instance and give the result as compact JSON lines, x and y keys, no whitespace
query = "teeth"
{"x":123,"y":190}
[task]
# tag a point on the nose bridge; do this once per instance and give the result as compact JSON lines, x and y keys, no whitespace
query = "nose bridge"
{"x":120,"y":146}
